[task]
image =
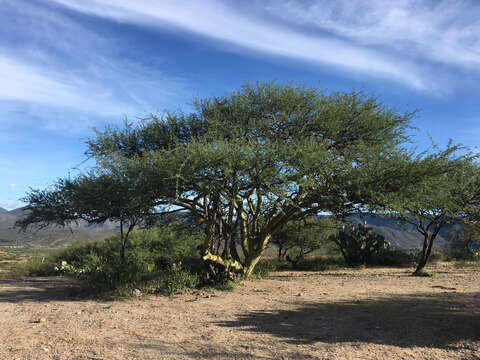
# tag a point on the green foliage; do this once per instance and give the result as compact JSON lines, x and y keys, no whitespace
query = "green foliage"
{"x":36,"y":266}
{"x":173,"y":241}
{"x":446,"y":193}
{"x":101,"y":268}
{"x":465,"y":240}
{"x":179,"y":280}
{"x":321,"y":263}
{"x":358,"y":244}
{"x":302,"y":237}
{"x":243,"y":165}
{"x":464,"y":256}
{"x":226,"y":286}
{"x":393,"y":257}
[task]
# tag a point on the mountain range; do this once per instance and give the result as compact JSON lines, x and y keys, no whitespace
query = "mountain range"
{"x":400,"y":236}
{"x":51,"y":236}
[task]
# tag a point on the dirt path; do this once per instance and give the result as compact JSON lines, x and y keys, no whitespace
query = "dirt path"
{"x":368,"y":314}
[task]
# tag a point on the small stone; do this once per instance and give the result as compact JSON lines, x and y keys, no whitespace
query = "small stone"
{"x":46,"y":349}
{"x":137,"y":292}
{"x":299,"y":294}
{"x":78,"y":312}
{"x":41,"y":320}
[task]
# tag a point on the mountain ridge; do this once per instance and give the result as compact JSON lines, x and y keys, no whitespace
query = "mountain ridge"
{"x":51,"y":236}
{"x":400,"y":236}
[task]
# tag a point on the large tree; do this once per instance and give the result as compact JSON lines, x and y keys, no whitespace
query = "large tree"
{"x":245,"y":164}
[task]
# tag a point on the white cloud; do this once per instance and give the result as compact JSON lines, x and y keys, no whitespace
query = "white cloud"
{"x":12,"y":186}
{"x":442,"y":31}
{"x":358,"y":30}
{"x":63,"y":76}
{"x":23,"y":82}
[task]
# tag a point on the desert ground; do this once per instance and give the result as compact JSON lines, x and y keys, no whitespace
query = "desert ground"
{"x":381,"y":313}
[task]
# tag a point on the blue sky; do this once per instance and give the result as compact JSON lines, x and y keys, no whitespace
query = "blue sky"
{"x":67,"y":66}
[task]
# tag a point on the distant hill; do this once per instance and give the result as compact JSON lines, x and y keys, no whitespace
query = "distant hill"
{"x":403,"y":236}
{"x":400,"y":236}
{"x":49,"y":237}
{"x":2,"y":210}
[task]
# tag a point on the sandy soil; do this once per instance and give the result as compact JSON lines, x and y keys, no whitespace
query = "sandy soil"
{"x":347,"y":314}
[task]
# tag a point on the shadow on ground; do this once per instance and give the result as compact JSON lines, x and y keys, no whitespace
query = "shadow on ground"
{"x":38,"y":289}
{"x":428,"y":320}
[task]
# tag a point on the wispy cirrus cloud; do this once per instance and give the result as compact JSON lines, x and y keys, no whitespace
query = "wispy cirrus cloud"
{"x":65,"y":76}
{"x":441,"y":31}
{"x":24,"y":82}
{"x":379,"y":39}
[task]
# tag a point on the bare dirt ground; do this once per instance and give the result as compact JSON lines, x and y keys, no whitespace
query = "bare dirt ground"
{"x":344,"y":314}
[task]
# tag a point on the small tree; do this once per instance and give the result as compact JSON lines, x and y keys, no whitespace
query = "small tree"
{"x":107,"y":194}
{"x":447,"y":193}
{"x":466,"y":239}
{"x":300,"y":238}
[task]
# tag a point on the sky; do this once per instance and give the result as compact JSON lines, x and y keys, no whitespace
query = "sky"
{"x":69,"y":66}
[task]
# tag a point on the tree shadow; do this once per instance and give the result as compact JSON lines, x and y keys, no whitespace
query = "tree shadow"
{"x":426,"y":320}
{"x":39,"y":289}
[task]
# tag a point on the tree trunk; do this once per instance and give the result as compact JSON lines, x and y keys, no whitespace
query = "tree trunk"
{"x":250,"y":263}
{"x":233,"y":250}
{"x":254,"y":256}
{"x":280,"y":248}
{"x":122,"y":243}
{"x":425,"y":254}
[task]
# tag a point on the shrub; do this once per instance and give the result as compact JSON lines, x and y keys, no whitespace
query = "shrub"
{"x":321,"y":263}
{"x":179,"y":281}
{"x":464,"y":256}
{"x":99,"y":265}
{"x":37,"y":266}
{"x":226,"y":285}
{"x":393,"y":257}
{"x":358,"y":244}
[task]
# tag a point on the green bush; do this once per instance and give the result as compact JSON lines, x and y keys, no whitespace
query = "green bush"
{"x":99,"y":265}
{"x":358,"y":244}
{"x":37,"y":266}
{"x":173,"y":242}
{"x":179,"y":281}
{"x":393,"y":257}
{"x":226,"y":285}
{"x":464,"y":256}
{"x":321,"y":263}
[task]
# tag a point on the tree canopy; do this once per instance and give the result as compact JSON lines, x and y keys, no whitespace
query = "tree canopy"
{"x":447,"y":194}
{"x":245,"y":164}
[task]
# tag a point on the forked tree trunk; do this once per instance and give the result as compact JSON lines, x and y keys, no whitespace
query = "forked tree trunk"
{"x":425,"y":254}
{"x":254,"y":256}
